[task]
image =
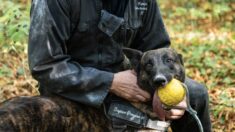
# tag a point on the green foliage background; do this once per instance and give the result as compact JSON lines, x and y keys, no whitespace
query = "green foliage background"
{"x":202,"y":30}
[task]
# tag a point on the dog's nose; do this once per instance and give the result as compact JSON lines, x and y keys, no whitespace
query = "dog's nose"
{"x":160,"y":80}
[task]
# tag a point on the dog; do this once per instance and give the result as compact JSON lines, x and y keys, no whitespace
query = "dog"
{"x":154,"y":68}
{"x":50,"y":114}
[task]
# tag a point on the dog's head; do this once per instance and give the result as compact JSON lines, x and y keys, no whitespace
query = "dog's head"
{"x":156,"y":68}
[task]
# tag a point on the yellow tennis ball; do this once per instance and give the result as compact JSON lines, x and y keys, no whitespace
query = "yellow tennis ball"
{"x":172,"y":94}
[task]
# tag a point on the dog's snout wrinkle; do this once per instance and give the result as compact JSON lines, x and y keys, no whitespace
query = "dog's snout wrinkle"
{"x":160,"y":80}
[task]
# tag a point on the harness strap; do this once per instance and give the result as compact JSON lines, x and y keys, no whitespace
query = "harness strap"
{"x":124,"y":115}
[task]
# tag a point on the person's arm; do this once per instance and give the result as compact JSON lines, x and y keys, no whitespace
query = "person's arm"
{"x":49,"y":62}
{"x":54,"y":68}
{"x":153,"y":34}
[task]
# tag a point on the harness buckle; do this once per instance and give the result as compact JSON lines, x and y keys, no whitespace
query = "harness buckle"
{"x":160,"y":126}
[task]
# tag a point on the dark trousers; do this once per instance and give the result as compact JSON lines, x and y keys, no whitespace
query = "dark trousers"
{"x":199,"y":102}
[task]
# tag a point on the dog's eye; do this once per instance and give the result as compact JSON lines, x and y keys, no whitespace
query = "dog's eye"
{"x":148,"y":67}
{"x":170,"y":60}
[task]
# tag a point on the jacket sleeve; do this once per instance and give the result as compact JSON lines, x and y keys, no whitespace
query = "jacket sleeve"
{"x":152,"y":34}
{"x":49,"y":62}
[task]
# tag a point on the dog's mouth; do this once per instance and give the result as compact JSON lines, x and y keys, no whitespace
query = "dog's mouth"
{"x":159,"y":81}
{"x":158,"y":107}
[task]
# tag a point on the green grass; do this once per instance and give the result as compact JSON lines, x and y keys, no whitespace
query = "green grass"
{"x":203,"y":31}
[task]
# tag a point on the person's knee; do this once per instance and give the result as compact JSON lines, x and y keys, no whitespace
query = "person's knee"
{"x":200,"y":103}
{"x":195,"y":87}
{"x":198,"y":92}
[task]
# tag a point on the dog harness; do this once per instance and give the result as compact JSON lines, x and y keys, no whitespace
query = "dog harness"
{"x":124,"y":116}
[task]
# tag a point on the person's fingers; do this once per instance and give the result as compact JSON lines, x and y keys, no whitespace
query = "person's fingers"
{"x":182,"y":103}
{"x":179,"y":107}
{"x":132,"y":96}
{"x":144,"y":94}
{"x":177,"y":112}
{"x":141,"y":98}
{"x":133,"y":72}
{"x":174,"y":114}
{"x":174,"y":117}
{"x":128,"y":88}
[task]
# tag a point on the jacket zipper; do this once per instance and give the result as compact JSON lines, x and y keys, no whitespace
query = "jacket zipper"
{"x":99,"y":56}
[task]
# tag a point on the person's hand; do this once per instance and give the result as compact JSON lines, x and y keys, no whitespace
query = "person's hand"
{"x":125,"y":85}
{"x":177,"y":112}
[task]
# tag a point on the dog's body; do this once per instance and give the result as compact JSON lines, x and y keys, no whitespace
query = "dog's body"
{"x":27,"y":114}
{"x":50,"y":114}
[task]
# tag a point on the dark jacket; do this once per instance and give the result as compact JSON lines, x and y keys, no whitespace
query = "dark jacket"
{"x":75,"y":46}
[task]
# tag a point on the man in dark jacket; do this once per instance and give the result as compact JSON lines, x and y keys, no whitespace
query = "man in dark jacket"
{"x":75,"y":51}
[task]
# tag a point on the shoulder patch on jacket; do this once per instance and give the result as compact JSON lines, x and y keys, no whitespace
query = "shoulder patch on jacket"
{"x":142,"y":5}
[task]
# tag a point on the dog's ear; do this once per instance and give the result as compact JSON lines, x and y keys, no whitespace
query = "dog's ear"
{"x":181,"y":59}
{"x":134,"y":57}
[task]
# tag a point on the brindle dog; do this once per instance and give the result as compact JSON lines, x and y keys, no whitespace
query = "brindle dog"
{"x":155,"y":68}
{"x":50,"y":114}
{"x":47,"y":114}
